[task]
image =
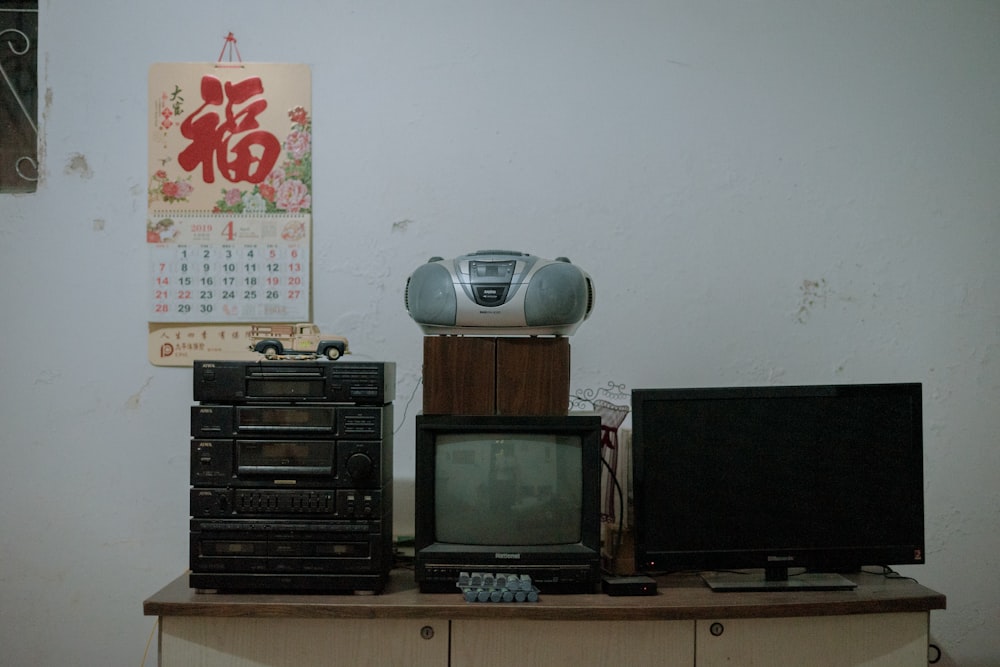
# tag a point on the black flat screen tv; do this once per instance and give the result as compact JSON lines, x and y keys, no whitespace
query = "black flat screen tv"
{"x":820,"y":480}
{"x":505,"y":494}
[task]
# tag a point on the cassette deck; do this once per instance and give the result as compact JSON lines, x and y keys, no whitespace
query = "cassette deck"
{"x":299,"y":556}
{"x":299,"y":419}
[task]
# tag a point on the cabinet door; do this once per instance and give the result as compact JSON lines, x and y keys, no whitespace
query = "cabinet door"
{"x":872,"y":640}
{"x":489,"y":643}
{"x":198,"y":641}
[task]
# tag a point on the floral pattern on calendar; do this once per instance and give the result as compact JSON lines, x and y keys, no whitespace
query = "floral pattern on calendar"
{"x":287,"y":186}
{"x":164,"y":189}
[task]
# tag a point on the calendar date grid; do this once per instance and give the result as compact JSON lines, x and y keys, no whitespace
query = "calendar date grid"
{"x":229,"y":282}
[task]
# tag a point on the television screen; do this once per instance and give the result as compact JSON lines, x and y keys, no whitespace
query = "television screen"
{"x":820,"y":477}
{"x":500,"y":493}
{"x":508,"y":488}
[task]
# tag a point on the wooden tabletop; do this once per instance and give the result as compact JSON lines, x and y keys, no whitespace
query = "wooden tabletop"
{"x":680,"y":597}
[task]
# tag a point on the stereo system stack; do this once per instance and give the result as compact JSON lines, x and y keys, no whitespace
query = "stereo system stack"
{"x":291,"y":476}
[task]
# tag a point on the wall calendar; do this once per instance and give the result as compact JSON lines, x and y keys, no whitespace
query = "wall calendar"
{"x":229,"y":216}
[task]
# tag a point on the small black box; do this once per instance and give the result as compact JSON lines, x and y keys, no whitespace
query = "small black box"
{"x":629,"y":585}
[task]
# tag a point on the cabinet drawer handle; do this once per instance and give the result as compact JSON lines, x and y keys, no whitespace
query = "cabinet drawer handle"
{"x":427,"y":632}
{"x":717,"y":629}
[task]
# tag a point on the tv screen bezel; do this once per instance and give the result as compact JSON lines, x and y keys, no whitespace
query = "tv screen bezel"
{"x":831,"y":557}
{"x":577,"y":564}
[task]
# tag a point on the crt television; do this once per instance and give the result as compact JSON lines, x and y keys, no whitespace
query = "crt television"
{"x":508,"y":494}
{"x":823,"y":479}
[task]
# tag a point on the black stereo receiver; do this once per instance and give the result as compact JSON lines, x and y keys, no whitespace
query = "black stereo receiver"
{"x":355,"y":382}
{"x":334,"y":464}
{"x":290,"y":463}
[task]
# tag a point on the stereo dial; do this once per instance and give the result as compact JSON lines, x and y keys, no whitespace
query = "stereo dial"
{"x":359,"y":466}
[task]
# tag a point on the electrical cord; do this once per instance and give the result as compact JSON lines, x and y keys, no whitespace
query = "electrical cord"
{"x":406,"y":408}
{"x":616,"y":546}
{"x":889,"y":573}
{"x":152,"y":633}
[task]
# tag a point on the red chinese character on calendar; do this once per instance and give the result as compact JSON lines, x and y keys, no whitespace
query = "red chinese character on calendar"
{"x":233,"y":140}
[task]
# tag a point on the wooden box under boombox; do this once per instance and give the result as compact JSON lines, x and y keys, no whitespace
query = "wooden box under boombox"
{"x":475,"y":375}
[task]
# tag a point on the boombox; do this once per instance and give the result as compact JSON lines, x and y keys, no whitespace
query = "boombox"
{"x":499,"y":292}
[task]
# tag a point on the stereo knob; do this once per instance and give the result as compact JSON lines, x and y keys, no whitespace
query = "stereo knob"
{"x":359,"y":466}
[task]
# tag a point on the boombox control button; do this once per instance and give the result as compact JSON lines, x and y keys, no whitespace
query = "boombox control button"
{"x":359,"y":466}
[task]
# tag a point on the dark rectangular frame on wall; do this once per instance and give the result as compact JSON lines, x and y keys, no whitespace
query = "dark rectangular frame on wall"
{"x":18,"y":95}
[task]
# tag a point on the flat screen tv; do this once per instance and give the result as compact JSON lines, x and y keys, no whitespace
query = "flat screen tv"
{"x":511,"y":495}
{"x":819,"y":480}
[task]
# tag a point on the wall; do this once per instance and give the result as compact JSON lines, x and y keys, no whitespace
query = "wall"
{"x":764,"y":192}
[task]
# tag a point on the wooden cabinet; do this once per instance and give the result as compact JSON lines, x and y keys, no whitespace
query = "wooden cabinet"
{"x":488,"y":643}
{"x":472,"y":375}
{"x":193,"y":641}
{"x":882,"y":623}
{"x":872,"y":640}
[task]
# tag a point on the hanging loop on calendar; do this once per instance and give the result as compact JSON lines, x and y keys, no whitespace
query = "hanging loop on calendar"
{"x":229,"y":44}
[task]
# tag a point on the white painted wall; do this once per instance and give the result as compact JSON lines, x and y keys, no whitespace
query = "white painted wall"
{"x":765,"y":192}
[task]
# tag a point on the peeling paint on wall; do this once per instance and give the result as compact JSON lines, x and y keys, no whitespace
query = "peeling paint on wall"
{"x":78,"y":165}
{"x":814,"y":292}
{"x":42,"y":144}
{"x":766,"y":372}
{"x":47,"y":376}
{"x":135,"y":399}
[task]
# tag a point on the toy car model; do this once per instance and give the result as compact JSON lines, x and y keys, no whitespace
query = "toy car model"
{"x":305,"y":338}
